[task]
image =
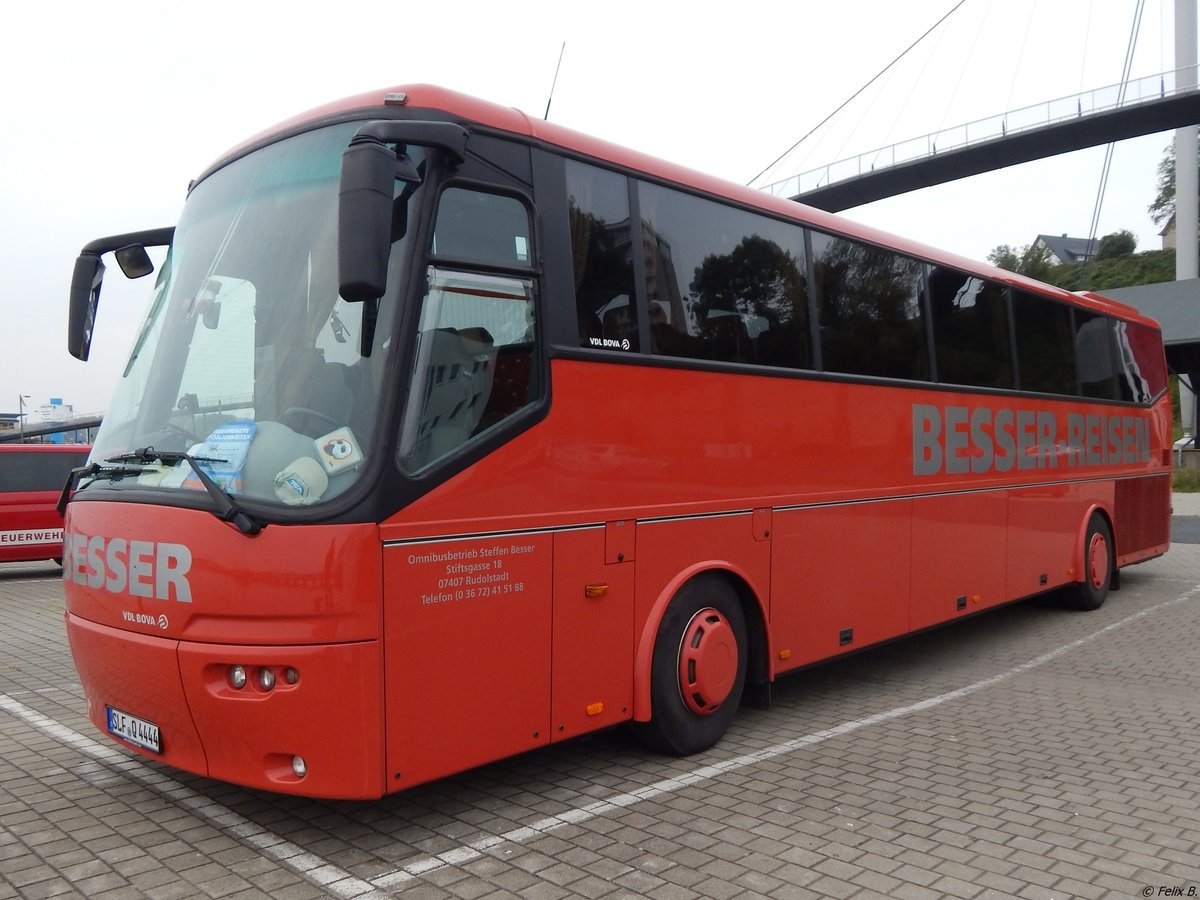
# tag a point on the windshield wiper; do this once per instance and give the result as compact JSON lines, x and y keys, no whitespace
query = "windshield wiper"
{"x":94,"y":471}
{"x":227,"y":508}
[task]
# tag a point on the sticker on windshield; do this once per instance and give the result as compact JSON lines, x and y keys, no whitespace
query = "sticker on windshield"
{"x":222,"y":455}
{"x":338,"y":451}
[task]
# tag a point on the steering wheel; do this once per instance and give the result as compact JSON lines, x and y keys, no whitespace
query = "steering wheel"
{"x":169,"y":429}
{"x":294,"y":416}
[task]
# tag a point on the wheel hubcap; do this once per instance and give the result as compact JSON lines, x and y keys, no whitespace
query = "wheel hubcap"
{"x":1098,"y":561}
{"x":708,"y":662}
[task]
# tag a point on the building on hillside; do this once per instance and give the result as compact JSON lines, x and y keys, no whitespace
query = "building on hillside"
{"x":1168,"y":234}
{"x":1066,"y":249}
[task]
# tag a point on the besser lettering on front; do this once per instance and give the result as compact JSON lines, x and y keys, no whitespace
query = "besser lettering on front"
{"x":151,"y":569}
{"x":957,"y":440}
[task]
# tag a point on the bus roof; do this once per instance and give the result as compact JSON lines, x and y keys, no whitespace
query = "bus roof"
{"x":509,"y":119}
{"x":44,"y":448}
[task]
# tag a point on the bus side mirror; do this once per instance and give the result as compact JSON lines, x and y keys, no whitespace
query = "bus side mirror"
{"x":365,"y":219}
{"x":130,"y":250}
{"x":369,"y":219}
{"x":85,"y":298}
{"x":134,"y":261}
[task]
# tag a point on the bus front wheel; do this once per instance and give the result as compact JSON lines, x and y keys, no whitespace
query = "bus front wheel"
{"x":698,"y":669}
{"x":1098,"y":566}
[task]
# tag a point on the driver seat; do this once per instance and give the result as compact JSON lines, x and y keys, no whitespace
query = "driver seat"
{"x":318,"y":397}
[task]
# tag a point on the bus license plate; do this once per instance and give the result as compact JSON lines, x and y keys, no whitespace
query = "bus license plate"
{"x":137,"y":731}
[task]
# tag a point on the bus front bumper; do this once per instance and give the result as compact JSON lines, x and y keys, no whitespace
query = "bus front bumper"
{"x":306,"y":720}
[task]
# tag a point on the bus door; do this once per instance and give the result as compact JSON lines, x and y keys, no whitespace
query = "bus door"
{"x":467,"y":628}
{"x":592,"y":670}
{"x":468,"y":621}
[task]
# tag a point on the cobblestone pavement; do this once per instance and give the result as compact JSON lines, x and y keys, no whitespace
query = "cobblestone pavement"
{"x":1029,"y":752}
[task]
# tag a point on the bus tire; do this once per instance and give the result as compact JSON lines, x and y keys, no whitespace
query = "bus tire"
{"x":1098,"y":566}
{"x":698,"y":668}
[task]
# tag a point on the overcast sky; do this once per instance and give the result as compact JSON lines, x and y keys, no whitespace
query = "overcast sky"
{"x":110,"y":110}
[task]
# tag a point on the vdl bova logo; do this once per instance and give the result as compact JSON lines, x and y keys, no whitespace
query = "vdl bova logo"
{"x":957,"y":440}
{"x":145,"y":619}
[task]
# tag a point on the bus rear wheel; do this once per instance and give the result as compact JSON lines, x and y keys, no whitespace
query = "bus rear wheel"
{"x":698,"y":668}
{"x":1098,"y":566}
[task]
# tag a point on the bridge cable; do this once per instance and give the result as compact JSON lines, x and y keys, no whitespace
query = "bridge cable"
{"x":1020,"y":55}
{"x":909,"y":94}
{"x":1087,"y":40}
{"x":970,"y":55}
{"x":1108,"y":150}
{"x":851,"y":98}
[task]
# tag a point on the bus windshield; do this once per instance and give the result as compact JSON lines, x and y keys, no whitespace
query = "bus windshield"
{"x":248,"y":359}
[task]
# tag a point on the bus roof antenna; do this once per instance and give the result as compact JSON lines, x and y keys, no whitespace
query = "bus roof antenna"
{"x":550,"y":99}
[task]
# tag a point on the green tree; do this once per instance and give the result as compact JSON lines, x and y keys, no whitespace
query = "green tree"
{"x":1119,"y":243}
{"x":1032,"y":259}
{"x":1035,"y":261}
{"x":1163,"y":206}
{"x":1005,"y":256}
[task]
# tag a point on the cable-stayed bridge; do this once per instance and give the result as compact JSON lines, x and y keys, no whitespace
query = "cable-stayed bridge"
{"x":1140,"y":106}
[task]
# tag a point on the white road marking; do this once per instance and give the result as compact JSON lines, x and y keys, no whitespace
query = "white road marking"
{"x":547,"y":825}
{"x":307,"y":865}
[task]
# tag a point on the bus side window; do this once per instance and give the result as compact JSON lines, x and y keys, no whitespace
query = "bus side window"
{"x":1045,"y":345}
{"x":603,"y":257}
{"x":723,"y":284}
{"x":32,"y":469}
{"x":1094,"y":360}
{"x":481,"y":228}
{"x":869,"y":303}
{"x":970,"y":330}
{"x":475,"y":360}
{"x":1141,"y":372}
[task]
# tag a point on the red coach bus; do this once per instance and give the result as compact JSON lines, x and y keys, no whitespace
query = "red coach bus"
{"x":452,"y":433}
{"x":31,"y":480}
